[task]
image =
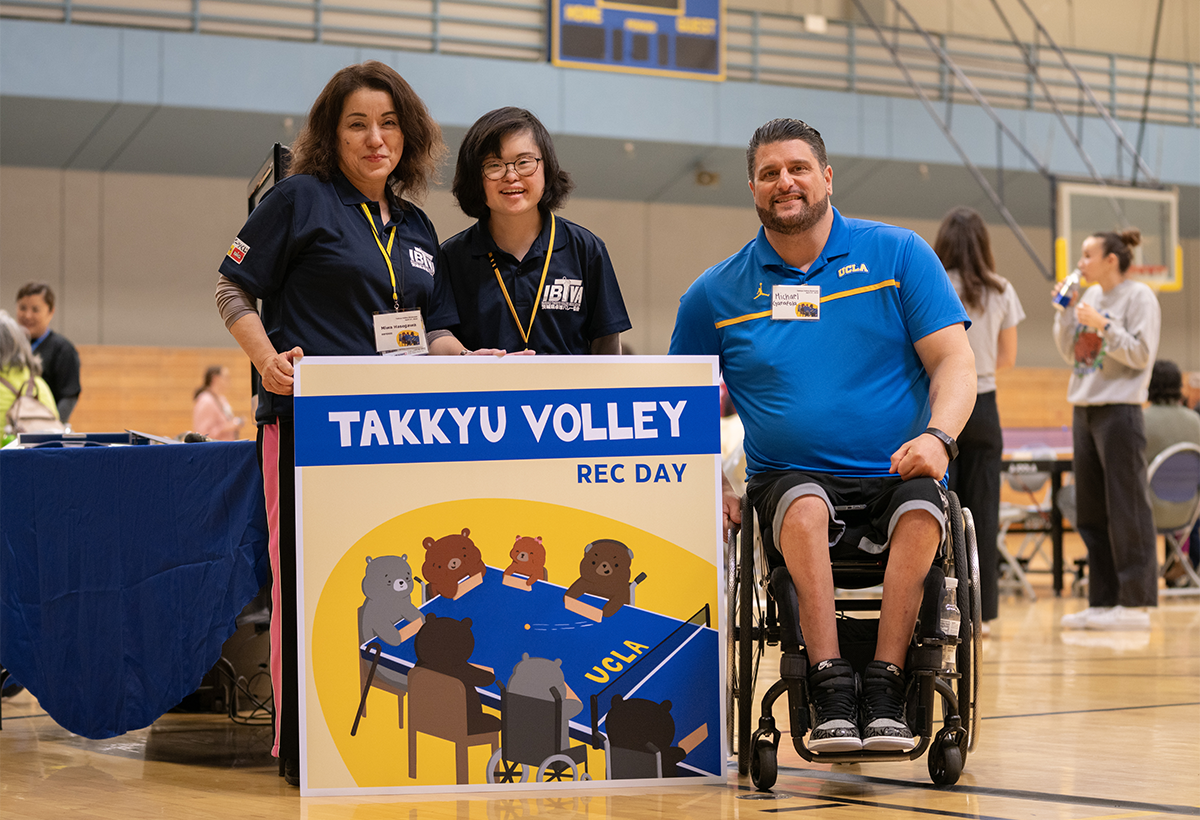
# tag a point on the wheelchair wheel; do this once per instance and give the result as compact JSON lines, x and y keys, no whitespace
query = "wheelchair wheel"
{"x":731,"y":665}
{"x":764,"y":764}
{"x":750,"y":636}
{"x":557,"y":769}
{"x":500,"y":770}
{"x":970,"y":651}
{"x":961,"y":524}
{"x":945,"y":761}
{"x":977,"y":636}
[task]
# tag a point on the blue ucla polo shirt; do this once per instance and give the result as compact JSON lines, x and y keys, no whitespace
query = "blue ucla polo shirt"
{"x":580,"y":301}
{"x":838,"y":395}
{"x":307,"y":251}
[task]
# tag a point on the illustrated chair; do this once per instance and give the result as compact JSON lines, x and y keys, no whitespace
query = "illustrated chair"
{"x":632,"y":764}
{"x":368,"y":681}
{"x":532,"y":731}
{"x":437,"y":705}
{"x":1174,"y":478}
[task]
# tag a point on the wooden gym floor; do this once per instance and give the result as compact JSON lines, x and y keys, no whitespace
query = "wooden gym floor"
{"x":1075,"y":725}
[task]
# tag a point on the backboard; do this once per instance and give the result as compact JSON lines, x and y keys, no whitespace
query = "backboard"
{"x":1084,"y":208}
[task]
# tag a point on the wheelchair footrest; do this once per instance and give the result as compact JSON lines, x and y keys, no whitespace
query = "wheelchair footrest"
{"x":793,"y":666}
{"x":863,"y":756}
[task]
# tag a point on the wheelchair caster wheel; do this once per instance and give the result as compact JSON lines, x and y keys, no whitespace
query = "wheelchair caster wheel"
{"x":500,"y":770}
{"x":945,"y":763}
{"x":764,"y":765}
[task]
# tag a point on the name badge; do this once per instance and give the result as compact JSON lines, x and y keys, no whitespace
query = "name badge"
{"x":796,"y":302}
{"x":400,"y":334}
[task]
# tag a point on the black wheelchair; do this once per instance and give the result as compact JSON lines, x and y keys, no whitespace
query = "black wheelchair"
{"x":759,"y":620}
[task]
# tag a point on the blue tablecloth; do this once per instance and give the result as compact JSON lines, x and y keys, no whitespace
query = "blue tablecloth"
{"x":122,"y":570}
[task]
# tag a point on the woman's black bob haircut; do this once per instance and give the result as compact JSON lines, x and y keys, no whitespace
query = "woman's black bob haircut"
{"x":483,"y":140}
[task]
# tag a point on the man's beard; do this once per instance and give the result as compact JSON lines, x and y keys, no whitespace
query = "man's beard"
{"x":799,"y":222}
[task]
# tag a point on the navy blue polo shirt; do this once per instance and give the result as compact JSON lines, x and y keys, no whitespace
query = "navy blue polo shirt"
{"x":580,"y":302}
{"x":307,"y":251}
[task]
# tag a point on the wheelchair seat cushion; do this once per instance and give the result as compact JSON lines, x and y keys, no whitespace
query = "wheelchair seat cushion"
{"x":862,"y":511}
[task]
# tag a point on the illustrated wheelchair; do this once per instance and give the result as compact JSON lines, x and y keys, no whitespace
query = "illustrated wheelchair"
{"x":531,"y":731}
{"x":759,"y":620}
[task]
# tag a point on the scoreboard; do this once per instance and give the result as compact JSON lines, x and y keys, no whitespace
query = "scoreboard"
{"x":679,"y":38}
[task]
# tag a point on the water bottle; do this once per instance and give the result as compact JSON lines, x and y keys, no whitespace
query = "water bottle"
{"x":950,"y":619}
{"x":1067,"y":290}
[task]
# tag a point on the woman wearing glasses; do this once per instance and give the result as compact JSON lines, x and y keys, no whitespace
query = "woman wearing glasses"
{"x":521,"y":278}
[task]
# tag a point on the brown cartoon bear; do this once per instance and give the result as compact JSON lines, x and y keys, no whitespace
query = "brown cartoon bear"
{"x":529,"y":559}
{"x":445,"y":645}
{"x":448,"y":561}
{"x":604,"y":572}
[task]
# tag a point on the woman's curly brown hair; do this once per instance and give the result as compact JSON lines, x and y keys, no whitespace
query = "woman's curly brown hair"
{"x":315,"y":150}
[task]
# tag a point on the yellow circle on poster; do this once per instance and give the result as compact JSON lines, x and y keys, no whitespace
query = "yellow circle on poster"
{"x":677,"y":584}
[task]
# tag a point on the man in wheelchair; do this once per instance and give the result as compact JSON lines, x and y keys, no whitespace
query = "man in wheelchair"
{"x":844,"y":349}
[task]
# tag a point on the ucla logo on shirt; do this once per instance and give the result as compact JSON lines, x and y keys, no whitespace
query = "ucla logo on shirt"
{"x":421,"y":259}
{"x":852,"y":269}
{"x":563,"y":294}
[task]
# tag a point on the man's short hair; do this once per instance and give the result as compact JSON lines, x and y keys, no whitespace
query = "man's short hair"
{"x":784,"y":130}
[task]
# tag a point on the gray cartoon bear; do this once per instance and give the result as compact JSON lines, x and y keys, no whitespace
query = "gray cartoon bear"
{"x":533,"y":678}
{"x":388,"y":586}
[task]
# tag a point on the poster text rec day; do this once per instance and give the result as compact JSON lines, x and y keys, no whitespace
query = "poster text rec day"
{"x":597,"y":423}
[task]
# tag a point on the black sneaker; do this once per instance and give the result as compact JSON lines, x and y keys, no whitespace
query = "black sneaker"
{"x":884,"y":726}
{"x":833,"y":690}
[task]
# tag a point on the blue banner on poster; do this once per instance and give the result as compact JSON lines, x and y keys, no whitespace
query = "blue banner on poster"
{"x":506,"y":425}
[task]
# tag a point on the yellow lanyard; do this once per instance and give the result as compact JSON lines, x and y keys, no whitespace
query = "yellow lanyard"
{"x":537,"y":297}
{"x":387,"y":252}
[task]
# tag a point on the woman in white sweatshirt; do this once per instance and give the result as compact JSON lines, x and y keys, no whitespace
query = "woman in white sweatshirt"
{"x":1110,"y":335}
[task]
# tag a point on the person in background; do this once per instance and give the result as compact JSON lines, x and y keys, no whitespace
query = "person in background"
{"x":332,"y":249}
{"x":965,"y":250}
{"x":1168,"y":421}
{"x":521,"y":278}
{"x":212,"y":414}
{"x":1110,"y":335}
{"x":17,"y":365}
{"x":60,"y":360}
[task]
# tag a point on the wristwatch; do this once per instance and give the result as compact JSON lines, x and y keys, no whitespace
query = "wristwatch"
{"x":947,"y":441}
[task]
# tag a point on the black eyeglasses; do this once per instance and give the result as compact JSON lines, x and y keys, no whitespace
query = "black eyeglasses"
{"x":525,"y":166}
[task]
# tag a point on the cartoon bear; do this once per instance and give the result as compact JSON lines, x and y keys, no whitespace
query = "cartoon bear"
{"x":448,"y":560}
{"x":604,"y":571}
{"x":445,"y":645}
{"x":388,"y":586}
{"x":528,"y":558}
{"x":534,"y":677}
{"x":644,"y":726}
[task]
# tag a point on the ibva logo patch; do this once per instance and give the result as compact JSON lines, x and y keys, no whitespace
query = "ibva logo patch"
{"x":420,"y":259}
{"x":563,"y":294}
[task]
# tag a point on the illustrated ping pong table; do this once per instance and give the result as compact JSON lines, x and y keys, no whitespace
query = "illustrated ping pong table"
{"x":633,"y":653}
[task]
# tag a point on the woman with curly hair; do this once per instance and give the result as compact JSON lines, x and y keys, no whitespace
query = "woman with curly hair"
{"x":333,"y":247}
